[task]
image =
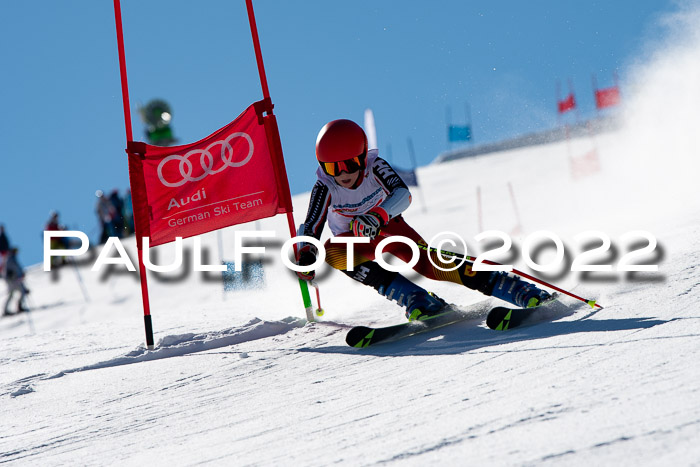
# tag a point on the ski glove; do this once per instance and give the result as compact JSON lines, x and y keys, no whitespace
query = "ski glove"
{"x":307,"y":256}
{"x":368,"y":225}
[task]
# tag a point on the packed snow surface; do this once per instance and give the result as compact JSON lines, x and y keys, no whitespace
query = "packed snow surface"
{"x":239,"y":377}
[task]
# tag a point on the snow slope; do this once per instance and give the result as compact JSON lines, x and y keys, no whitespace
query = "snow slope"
{"x":239,"y":378}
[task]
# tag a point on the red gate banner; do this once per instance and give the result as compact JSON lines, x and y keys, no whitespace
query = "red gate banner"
{"x":567,"y":104}
{"x":227,"y":178}
{"x":607,"y":97}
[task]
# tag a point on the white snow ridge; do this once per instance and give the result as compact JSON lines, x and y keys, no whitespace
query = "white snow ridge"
{"x":234,"y":380}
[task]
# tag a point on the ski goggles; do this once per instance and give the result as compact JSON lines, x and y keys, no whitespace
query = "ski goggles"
{"x":349,"y":165}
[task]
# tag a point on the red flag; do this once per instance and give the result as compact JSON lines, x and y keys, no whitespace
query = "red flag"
{"x":225,"y":179}
{"x":567,"y":104}
{"x":607,"y":97}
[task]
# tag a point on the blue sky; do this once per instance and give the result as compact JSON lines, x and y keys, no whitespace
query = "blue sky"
{"x":62,"y":125}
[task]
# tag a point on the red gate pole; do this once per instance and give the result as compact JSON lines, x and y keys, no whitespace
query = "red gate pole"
{"x":129,"y":138}
{"x":276,"y":149}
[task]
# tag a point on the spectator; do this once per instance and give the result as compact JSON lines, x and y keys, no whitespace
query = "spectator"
{"x":14,"y":276}
{"x":53,"y":223}
{"x":118,"y":220}
{"x":105,"y":215}
{"x":4,"y":248}
{"x":129,"y":212}
{"x":57,"y":243}
{"x":4,"y":242}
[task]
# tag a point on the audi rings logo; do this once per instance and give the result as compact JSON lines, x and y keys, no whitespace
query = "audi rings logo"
{"x":206,"y":160}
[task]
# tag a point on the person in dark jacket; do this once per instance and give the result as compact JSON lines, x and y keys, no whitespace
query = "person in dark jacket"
{"x":118,"y":205}
{"x":4,"y":249}
{"x":4,"y":242}
{"x":105,"y":214}
{"x":14,"y":276}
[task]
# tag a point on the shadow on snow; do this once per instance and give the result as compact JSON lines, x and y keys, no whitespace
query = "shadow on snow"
{"x":465,"y":337}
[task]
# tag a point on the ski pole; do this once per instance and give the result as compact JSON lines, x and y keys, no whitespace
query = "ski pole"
{"x":471,"y":259}
{"x":80,"y":280}
{"x":307,"y":299}
{"x":27,"y":313}
{"x":319,"y":310}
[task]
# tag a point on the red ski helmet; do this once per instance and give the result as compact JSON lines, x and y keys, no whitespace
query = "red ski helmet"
{"x":338,"y":141}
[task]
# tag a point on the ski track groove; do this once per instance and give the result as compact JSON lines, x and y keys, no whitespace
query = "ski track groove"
{"x":617,"y":440}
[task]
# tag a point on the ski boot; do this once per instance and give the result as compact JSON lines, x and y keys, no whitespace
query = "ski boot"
{"x":516,"y":291}
{"x":420,"y":304}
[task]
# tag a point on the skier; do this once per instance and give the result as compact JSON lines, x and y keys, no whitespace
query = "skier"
{"x":57,"y":243}
{"x":4,"y":248}
{"x":360,"y":195}
{"x":4,"y":242}
{"x":105,"y":214}
{"x":118,"y":219}
{"x":14,"y":276}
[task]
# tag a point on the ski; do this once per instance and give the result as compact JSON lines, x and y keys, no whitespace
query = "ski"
{"x":502,"y":318}
{"x":364,"y":336}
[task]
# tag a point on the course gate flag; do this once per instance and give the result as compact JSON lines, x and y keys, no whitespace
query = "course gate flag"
{"x":234,"y":175}
{"x":569,"y":103}
{"x":227,"y":178}
{"x":459,"y":133}
{"x":606,"y":97}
